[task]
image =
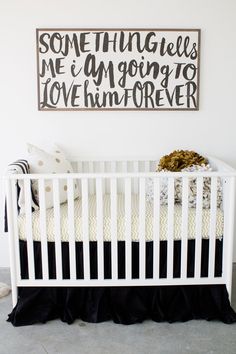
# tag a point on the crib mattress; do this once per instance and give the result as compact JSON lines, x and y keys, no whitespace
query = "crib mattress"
{"x":120,"y":221}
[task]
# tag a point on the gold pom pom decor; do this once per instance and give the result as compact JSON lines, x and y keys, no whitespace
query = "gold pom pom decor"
{"x":185,"y":161}
{"x":180,"y":159}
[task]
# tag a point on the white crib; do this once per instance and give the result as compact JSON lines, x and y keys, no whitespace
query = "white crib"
{"x":125,"y":178}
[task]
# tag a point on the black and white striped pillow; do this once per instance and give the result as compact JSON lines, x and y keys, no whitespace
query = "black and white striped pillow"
{"x":20,"y":167}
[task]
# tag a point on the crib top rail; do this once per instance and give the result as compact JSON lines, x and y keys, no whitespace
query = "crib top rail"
{"x":120,"y":175}
{"x":142,"y":168}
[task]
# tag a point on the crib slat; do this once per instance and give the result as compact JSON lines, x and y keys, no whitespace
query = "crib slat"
{"x":11,"y":236}
{"x":91,"y":182}
{"x":113,"y":166}
{"x":146,"y":166}
{"x":85,"y":229}
{"x":156,"y":227}
{"x":153,"y":166}
{"x":114,"y":228}
{"x":79,"y":167}
{"x":128,"y":240}
{"x":15,"y":228}
{"x":28,"y":214}
{"x":170,"y":227}
{"x":184,"y":228}
{"x":135,"y":180}
{"x":107,"y":166}
{"x":2,"y":206}
{"x":57,"y":228}
{"x":43,"y":232}
{"x":101,"y":168}
{"x":121,"y":182}
{"x":84,"y":165}
{"x":198,"y":229}
{"x":124,"y":166}
{"x":91,"y":166}
{"x":212,"y":230}
{"x":71,"y":227}
{"x":100,"y":248}
{"x":142,"y":217}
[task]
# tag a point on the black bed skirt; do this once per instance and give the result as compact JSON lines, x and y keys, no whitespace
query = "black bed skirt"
{"x":124,"y":305}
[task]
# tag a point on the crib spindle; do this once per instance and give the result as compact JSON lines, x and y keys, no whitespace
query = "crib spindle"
{"x":113,"y":166}
{"x":156,"y":227}
{"x":101,"y":166}
{"x":198,"y":228}
{"x":170,"y":227}
{"x":107,"y":185}
{"x":124,"y":166}
{"x":2,"y":205}
{"x":99,"y":214}
{"x":84,"y":165}
{"x":146,"y":166}
{"x":30,"y":246}
{"x":79,"y":167}
{"x":85,"y":229}
{"x":43,"y":233}
{"x":142,"y":217}
{"x":15,"y":228}
{"x":114,"y":228}
{"x":135,"y":180}
{"x":71,"y":227}
{"x":91,"y":182}
{"x":212,"y":229}
{"x":128,"y":240}
{"x":11,"y":242}
{"x":184,"y":228}
{"x":101,"y":169}
{"x":57,"y":228}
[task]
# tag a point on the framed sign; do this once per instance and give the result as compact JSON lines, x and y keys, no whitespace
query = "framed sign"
{"x":118,"y":69}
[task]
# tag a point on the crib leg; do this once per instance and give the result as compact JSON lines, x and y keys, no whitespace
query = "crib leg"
{"x":229,"y":217}
{"x":11,"y":243}
{"x":229,"y":285}
{"x":14,"y":290}
{"x":14,"y":294}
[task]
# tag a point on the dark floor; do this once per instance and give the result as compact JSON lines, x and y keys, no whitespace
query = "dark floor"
{"x":84,"y":338}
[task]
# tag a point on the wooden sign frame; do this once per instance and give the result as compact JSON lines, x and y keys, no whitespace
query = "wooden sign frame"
{"x":118,"y":69}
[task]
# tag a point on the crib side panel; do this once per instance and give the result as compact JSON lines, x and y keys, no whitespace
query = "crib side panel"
{"x":112,"y":166}
{"x":94,"y":186}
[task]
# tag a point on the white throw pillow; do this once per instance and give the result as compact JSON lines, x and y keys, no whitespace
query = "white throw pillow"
{"x":42,"y":162}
